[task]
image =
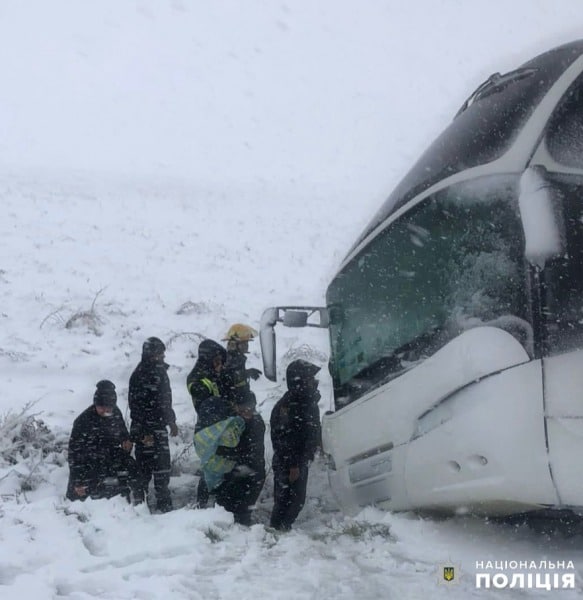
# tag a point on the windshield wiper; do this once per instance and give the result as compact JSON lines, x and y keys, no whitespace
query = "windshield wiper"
{"x":397,"y":362}
{"x":495,"y":84}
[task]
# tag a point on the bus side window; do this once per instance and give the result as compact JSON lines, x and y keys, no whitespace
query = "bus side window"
{"x":564,"y":276}
{"x":564,"y":138}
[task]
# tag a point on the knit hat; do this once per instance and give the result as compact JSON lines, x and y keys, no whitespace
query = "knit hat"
{"x":153,"y":347}
{"x":105,"y":394}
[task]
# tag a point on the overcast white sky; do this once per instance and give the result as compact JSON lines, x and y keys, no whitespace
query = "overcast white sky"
{"x":337,"y":92}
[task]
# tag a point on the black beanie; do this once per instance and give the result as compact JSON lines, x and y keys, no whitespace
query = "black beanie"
{"x":105,"y":394}
{"x":152,"y":348}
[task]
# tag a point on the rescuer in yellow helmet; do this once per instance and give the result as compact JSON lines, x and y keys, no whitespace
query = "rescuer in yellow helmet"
{"x":235,"y":377}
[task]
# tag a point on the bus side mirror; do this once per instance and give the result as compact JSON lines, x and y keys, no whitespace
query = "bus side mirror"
{"x":290,"y":316}
{"x":295,"y":318}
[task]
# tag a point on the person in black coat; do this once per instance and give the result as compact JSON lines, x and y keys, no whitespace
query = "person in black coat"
{"x":242,"y":486}
{"x":295,"y":436}
{"x":100,"y":465}
{"x":204,"y":379}
{"x":150,"y":402}
{"x":203,"y":386}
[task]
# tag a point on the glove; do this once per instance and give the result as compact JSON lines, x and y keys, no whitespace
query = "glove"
{"x":255,"y":374}
{"x":173,"y":429}
{"x":294,"y":474}
{"x":242,"y":471}
{"x":80,"y":490}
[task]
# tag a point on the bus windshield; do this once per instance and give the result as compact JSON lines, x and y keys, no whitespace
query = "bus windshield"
{"x":453,"y":262}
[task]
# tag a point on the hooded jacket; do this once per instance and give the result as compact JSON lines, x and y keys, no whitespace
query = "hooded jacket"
{"x":295,"y":427}
{"x":92,"y":444}
{"x":150,"y":398}
{"x":203,"y":381}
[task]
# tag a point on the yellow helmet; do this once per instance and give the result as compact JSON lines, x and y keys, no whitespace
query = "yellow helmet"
{"x":240,"y":333}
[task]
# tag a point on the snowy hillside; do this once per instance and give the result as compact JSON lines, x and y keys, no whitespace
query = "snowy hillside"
{"x":92,"y":267}
{"x":168,"y":168}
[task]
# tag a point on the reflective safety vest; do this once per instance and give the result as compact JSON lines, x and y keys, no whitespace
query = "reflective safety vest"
{"x":206,"y":441}
{"x":210,"y":385}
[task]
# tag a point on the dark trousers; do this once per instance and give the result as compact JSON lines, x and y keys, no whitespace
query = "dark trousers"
{"x":238,"y":494}
{"x":202,"y":493}
{"x":117,"y":475}
{"x":154,"y":461}
{"x":289,"y":497}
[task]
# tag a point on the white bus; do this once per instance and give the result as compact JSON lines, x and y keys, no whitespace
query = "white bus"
{"x":456,"y":319}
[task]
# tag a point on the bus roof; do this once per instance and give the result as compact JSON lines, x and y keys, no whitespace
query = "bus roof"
{"x":483,"y":129}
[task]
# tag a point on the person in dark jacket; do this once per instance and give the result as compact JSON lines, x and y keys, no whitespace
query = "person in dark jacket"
{"x":203,"y":386}
{"x":241,"y":487}
{"x":99,"y":451}
{"x":203,"y":380}
{"x":235,"y":377}
{"x":295,"y":436}
{"x":150,"y":402}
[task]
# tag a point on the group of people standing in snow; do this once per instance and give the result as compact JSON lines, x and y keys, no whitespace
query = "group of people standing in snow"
{"x":100,"y":446}
{"x":228,"y":438}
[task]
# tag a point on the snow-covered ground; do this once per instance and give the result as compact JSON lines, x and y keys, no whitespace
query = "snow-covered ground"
{"x":168,"y":168}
